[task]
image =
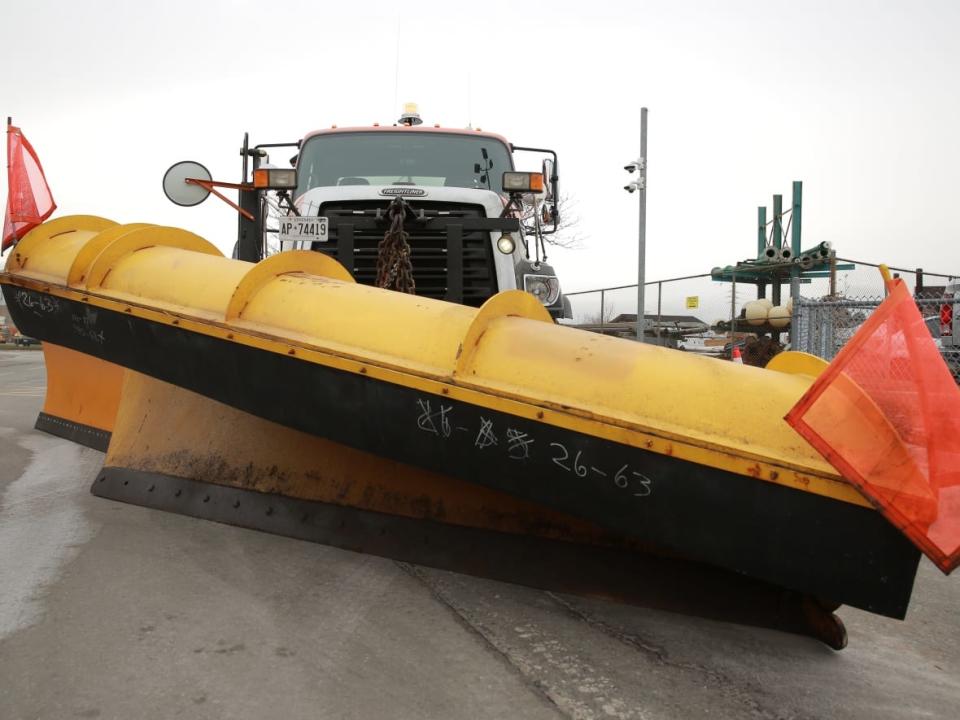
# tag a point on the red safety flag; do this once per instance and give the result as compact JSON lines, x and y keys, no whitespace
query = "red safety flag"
{"x":886,"y":415}
{"x":29,"y":201}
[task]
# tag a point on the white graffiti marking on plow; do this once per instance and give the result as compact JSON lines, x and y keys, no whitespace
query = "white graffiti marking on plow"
{"x":39,"y":305}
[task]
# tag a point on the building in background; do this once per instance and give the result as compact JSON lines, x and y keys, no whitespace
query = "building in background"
{"x":6,"y":324}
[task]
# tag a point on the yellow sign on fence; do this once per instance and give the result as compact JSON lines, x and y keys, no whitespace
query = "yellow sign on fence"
{"x":693,"y":301}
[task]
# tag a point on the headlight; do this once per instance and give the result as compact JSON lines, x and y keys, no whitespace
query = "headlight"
{"x":546,"y":288}
{"x":505,"y":244}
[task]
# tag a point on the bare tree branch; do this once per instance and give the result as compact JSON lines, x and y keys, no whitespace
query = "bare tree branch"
{"x":567,"y":235}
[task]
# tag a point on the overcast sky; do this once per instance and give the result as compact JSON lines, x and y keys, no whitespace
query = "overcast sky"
{"x":859,"y":100}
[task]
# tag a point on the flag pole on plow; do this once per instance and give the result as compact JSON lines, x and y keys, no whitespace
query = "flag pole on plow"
{"x":29,"y":201}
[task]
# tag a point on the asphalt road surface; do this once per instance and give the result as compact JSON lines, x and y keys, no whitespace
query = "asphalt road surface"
{"x":115,"y":611}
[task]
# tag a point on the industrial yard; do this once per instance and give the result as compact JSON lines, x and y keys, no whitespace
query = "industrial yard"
{"x":503,"y":362}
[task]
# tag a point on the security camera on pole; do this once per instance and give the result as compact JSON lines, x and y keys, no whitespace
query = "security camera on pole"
{"x":640,"y":184}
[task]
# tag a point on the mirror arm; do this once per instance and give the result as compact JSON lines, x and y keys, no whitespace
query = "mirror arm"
{"x":211,"y":187}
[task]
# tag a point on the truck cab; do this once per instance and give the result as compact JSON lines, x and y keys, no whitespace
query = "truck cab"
{"x":469,"y":236}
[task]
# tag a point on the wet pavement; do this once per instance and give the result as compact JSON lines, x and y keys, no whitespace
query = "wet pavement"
{"x":115,"y":611}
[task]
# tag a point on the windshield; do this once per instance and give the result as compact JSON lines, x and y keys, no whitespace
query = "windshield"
{"x":402,"y":158}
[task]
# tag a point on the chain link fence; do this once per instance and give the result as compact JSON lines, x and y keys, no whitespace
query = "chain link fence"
{"x":824,"y":323}
{"x":698,"y":314}
{"x":674,"y":308}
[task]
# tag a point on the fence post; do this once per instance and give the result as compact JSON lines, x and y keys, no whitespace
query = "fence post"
{"x":831,"y":332}
{"x":795,"y":296}
{"x":795,"y":321}
{"x":833,"y":273}
{"x":733,"y":308}
{"x":602,"y":293}
{"x":659,"y":300}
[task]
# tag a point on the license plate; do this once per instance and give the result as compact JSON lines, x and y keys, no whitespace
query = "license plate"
{"x":303,"y":229}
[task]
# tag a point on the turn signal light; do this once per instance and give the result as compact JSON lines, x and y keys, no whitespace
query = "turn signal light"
{"x":523,"y":182}
{"x":274,"y":178}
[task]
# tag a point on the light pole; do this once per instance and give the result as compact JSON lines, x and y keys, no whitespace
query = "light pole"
{"x":640,"y":185}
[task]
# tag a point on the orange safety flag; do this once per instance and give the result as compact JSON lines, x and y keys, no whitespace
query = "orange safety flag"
{"x":886,"y":415}
{"x":29,"y":201}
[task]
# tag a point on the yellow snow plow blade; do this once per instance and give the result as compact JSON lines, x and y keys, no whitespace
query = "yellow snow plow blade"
{"x":82,"y":391}
{"x":507,"y":355}
{"x":83,"y":394}
{"x":653,"y":446}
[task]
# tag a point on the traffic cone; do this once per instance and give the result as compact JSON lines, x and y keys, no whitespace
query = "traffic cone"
{"x":735,"y":356}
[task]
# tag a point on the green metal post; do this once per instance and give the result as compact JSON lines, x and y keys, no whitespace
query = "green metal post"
{"x":761,"y":245}
{"x":777,"y":221}
{"x":777,"y":242}
{"x":797,"y":217}
{"x":761,"y":230}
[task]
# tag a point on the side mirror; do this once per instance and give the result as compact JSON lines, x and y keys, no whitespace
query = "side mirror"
{"x":548,"y":213}
{"x":550,"y":178}
{"x":187,"y":183}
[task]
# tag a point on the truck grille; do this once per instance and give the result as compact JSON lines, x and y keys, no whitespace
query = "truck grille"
{"x":428,"y":247}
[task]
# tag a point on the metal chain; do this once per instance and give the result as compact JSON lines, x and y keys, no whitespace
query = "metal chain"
{"x":394,"y":268}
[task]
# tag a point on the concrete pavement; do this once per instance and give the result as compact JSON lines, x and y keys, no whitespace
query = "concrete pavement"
{"x":115,"y":611}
